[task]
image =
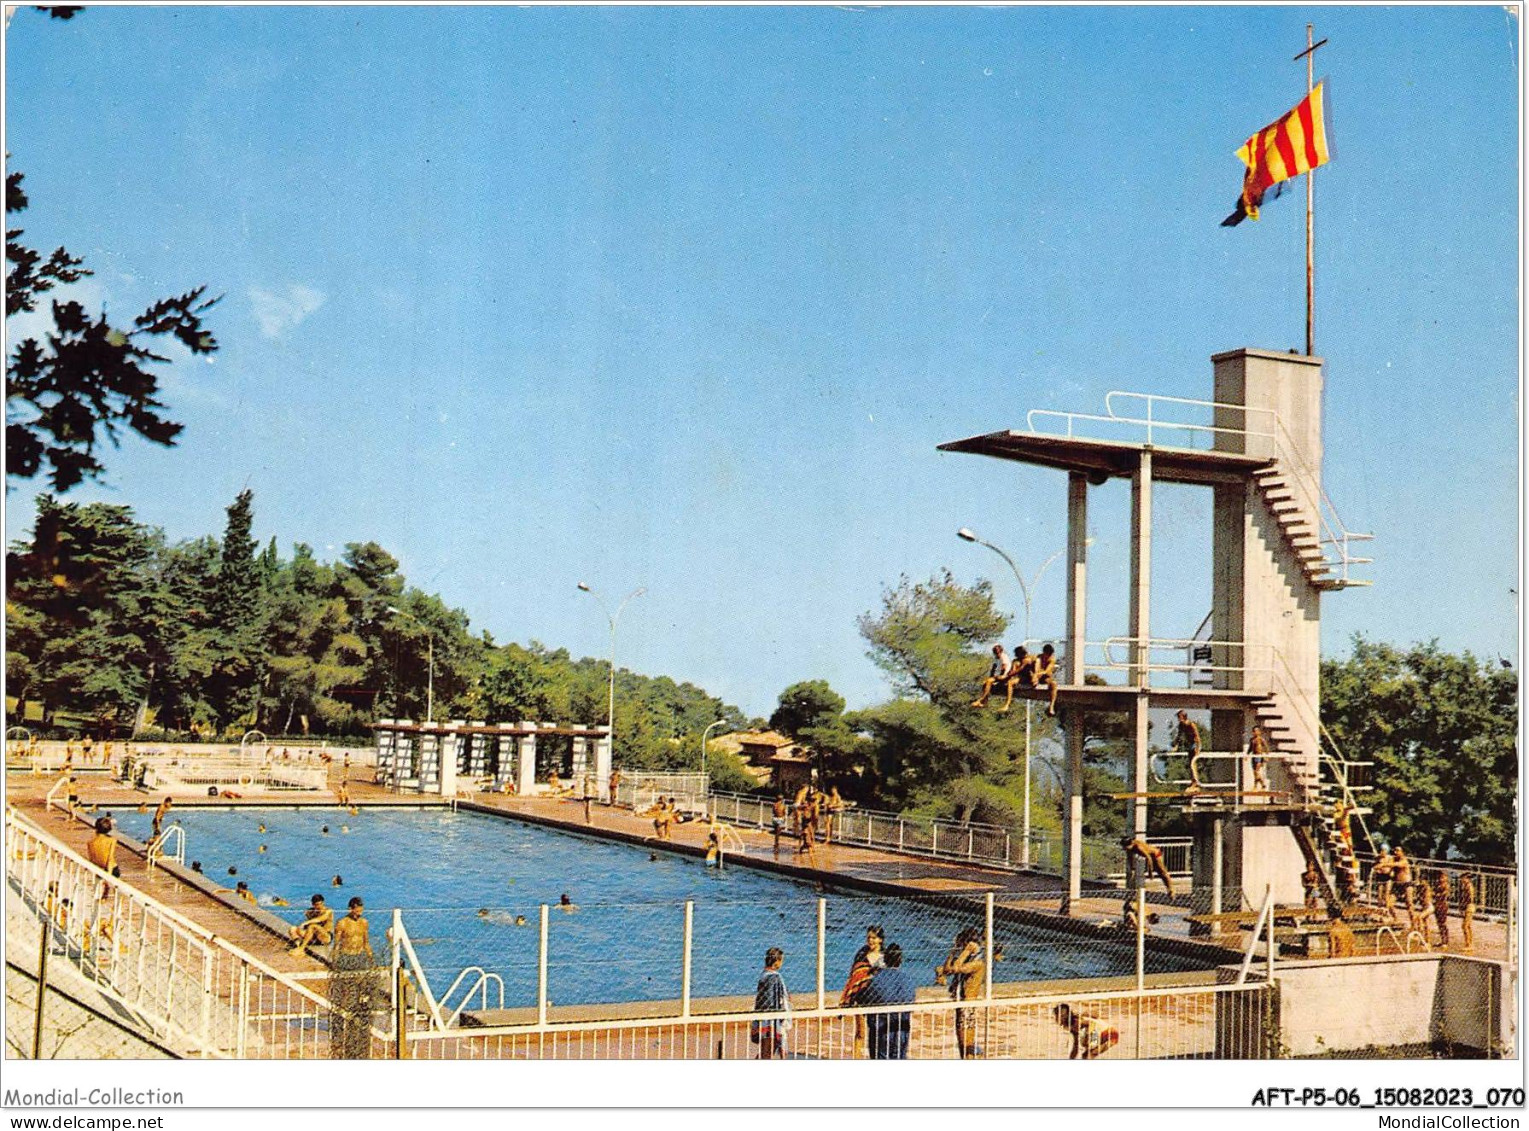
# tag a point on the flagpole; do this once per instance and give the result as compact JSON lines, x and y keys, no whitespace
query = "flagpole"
{"x":1308,"y":54}
{"x":1310,"y":243}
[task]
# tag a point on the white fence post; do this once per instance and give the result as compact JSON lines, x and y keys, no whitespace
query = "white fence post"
{"x":685,"y":959}
{"x":244,"y":1010}
{"x":988,"y":942}
{"x":822,"y":947}
{"x":541,"y":972}
{"x":206,"y":1000}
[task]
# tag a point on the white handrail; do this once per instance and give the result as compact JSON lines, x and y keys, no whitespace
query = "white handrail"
{"x":156,"y":848}
{"x":50,"y":799}
{"x":1319,"y":503}
{"x":404,"y":945}
{"x":485,"y":978}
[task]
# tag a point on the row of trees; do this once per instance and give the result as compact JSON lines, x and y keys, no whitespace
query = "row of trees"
{"x":118,"y":628}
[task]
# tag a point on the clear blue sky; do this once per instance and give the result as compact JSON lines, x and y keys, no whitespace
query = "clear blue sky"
{"x":686,"y":298}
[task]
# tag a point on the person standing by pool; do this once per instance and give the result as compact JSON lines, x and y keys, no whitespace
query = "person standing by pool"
{"x":868,"y":959}
{"x":353,"y":991}
{"x":615,"y":784}
{"x":778,"y":815}
{"x":102,"y":849}
{"x":967,"y":972}
{"x":770,"y":996}
{"x":1441,"y":904}
{"x":160,"y":814}
{"x":887,"y":1033}
{"x":1467,"y":912}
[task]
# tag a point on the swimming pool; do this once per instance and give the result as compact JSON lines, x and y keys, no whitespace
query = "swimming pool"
{"x":462,"y":879}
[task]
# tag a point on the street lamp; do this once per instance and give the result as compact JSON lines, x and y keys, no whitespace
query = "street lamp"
{"x":430,"y":684}
{"x":610,"y":708}
{"x":967,"y":535}
{"x":704,"y":733}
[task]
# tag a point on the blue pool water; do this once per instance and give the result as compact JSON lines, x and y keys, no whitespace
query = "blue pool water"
{"x":462,"y":878}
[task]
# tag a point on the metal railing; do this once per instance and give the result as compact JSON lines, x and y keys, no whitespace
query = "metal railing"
{"x":991,"y":845}
{"x":186,"y":987}
{"x":641,"y":790}
{"x":1209,"y":1022}
{"x":1139,"y":655}
{"x":1318,"y":505}
{"x":1193,"y":436}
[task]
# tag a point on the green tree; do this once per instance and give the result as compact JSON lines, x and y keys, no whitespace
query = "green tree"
{"x":1441,"y":731}
{"x":810,"y":703}
{"x":238,"y":615}
{"x":930,"y":750}
{"x":84,"y":579}
{"x":86,"y":379}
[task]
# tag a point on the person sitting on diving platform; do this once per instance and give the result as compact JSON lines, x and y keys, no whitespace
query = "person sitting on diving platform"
{"x":996,"y":674}
{"x":1043,"y":674}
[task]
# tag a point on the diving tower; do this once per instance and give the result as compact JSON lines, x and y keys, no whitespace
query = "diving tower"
{"x":1277,"y":547}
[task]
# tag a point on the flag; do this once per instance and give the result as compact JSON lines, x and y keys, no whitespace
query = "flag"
{"x":1295,"y":144}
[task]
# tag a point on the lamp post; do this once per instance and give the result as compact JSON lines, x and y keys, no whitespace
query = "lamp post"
{"x":430,"y":679}
{"x":610,"y":706}
{"x":704,"y":733}
{"x":967,"y":535}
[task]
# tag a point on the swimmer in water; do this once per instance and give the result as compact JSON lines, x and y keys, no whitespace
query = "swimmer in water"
{"x":345,"y":828}
{"x":325,"y":830}
{"x":262,"y":827}
{"x":566,"y":904}
{"x":261,"y":848}
{"x":520,"y":920}
{"x":232,"y":871}
{"x":336,"y":882}
{"x":354,"y":812}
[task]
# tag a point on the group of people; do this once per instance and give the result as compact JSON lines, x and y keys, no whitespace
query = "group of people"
{"x":1026,"y":670}
{"x":1428,"y":896}
{"x":877,"y":977}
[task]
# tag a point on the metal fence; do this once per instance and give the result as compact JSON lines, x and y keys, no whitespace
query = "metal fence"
{"x":168,"y":978}
{"x":990,"y":845}
{"x":1214,"y":1022}
{"x":639,"y":790}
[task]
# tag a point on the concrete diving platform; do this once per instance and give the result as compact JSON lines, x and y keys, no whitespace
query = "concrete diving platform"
{"x":1101,"y":460}
{"x":1123,"y":697}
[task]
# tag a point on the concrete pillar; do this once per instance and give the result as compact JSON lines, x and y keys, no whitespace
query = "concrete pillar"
{"x":505,"y":755}
{"x":1141,"y":632}
{"x":525,"y":761}
{"x":1262,"y":597}
{"x":603,"y":765}
{"x":451,"y":744}
{"x":386,"y":744}
{"x":1077,"y":601}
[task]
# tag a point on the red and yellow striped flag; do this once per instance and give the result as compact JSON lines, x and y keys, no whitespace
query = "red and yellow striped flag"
{"x":1295,"y":144}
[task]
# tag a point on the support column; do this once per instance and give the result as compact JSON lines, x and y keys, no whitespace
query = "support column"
{"x":386,"y":744}
{"x":504,"y":756}
{"x":1077,"y":600}
{"x":1141,"y":632}
{"x":451,"y":750}
{"x":525,"y":761}
{"x":603,"y":766}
